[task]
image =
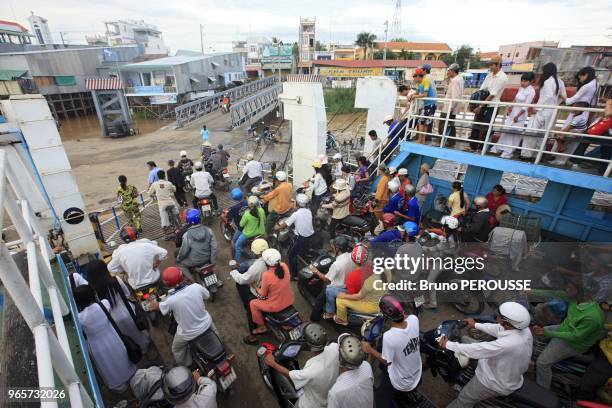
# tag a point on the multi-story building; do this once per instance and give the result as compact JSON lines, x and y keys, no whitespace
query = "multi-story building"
{"x":419,"y":50}
{"x":277,"y":58}
{"x":517,"y":53}
{"x":40,"y":28}
{"x":13,"y":36}
{"x":121,"y":32}
{"x":306,"y":44}
{"x":253,"y":47}
{"x":342,"y":51}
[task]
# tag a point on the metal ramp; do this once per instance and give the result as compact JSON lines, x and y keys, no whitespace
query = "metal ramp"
{"x":255,"y":107}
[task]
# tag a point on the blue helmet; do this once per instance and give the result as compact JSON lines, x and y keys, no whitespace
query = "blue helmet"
{"x":427,"y":67}
{"x":411,"y":228}
{"x":237,"y":194}
{"x":193,"y":216}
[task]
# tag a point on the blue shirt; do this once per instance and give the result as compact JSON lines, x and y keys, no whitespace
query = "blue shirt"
{"x":234,"y":212}
{"x":395,"y":132}
{"x":153,"y":175}
{"x":413,"y":209}
{"x":388,"y":236}
{"x":426,"y":86}
{"x":204,"y":134}
{"x":395,"y":204}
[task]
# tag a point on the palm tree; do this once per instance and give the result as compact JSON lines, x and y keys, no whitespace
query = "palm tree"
{"x":365,"y":40}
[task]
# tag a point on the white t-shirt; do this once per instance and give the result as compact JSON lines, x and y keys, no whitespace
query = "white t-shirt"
{"x":401,"y":349}
{"x":353,"y":389}
{"x":495,"y":84}
{"x":187,"y":306}
{"x":252,"y":169}
{"x":136,"y":259}
{"x":201,"y":181}
{"x":302,"y":219}
{"x":317,"y":377}
{"x":338,"y":270}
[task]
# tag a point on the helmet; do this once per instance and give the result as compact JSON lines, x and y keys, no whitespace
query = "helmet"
{"x":481,"y":201}
{"x":198,"y":165}
{"x":394,"y":185}
{"x":281,"y":176}
{"x":302,"y":200}
{"x":402,"y":172}
{"x":271,"y":257}
{"x":259,"y":245}
{"x":427,"y":67}
{"x":351,"y":353}
{"x":343,"y":243}
{"x":359,"y":254}
{"x":237,"y":194}
{"x":315,"y":336}
{"x":388,"y":219}
{"x":249,"y":156}
{"x":252,"y":201}
{"x":411,"y":228}
{"x":172,"y":276}
{"x":388,"y":118}
{"x":193,"y":216}
{"x":183,"y":153}
{"x":450,"y":221}
{"x":391,"y":308}
{"x":454,"y":67}
{"x":317,"y":164}
{"x":515,"y":315}
{"x":337,"y":156}
{"x":410,"y":189}
{"x":206,"y":143}
{"x":177,"y":385}
{"x":392,"y":170}
{"x":323,"y":158}
{"x":128,"y":234}
{"x":184,"y":215}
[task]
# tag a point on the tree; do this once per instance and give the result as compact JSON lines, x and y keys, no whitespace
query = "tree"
{"x":295,"y":50}
{"x":464,"y":56}
{"x":405,"y":55}
{"x":381,"y":53}
{"x":399,"y":39}
{"x":319,"y":46}
{"x":365,"y":40}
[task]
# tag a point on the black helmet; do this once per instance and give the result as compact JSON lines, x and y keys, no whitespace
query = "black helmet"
{"x":315,"y":336}
{"x":343,"y":243}
{"x":351,"y":353}
{"x":128,"y":234}
{"x":178,"y":384}
{"x":391,"y":308}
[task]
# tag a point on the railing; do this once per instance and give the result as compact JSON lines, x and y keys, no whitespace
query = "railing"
{"x":194,"y":110}
{"x":255,"y":106}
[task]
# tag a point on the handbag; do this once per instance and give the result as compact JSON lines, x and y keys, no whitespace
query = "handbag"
{"x":426,"y":189}
{"x":133,"y":349}
{"x":139,"y":316}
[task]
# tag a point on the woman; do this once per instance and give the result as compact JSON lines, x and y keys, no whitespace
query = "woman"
{"x":275,"y":293}
{"x":127,"y":198}
{"x":363,"y":177}
{"x":552,"y":92}
{"x":319,"y":186}
{"x":252,"y":224}
{"x":587,"y":88}
{"x":364,"y":301}
{"x":382,"y":191}
{"x":106,"y":347}
{"x":495,"y":199}
{"x":516,"y":117}
{"x":339,"y":205}
{"x":338,"y":165}
{"x":423,"y":182}
{"x":108,"y":287}
{"x":458,"y":201}
{"x":349,"y":177}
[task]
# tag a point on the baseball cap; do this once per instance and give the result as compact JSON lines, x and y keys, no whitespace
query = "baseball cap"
{"x":418,"y":71}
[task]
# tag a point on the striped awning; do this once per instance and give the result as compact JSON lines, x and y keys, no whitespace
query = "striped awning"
{"x":98,"y":84}
{"x":304,"y":78}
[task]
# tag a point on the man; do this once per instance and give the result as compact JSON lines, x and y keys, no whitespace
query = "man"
{"x":395,"y":133}
{"x":282,"y":196}
{"x":404,"y":180}
{"x":354,"y":386}
{"x":375,"y":143}
{"x":326,"y":169}
{"x":252,"y":174}
{"x":407,"y":231}
{"x":153,"y":169}
{"x":204,"y":133}
{"x":224,"y":155}
{"x":187,"y":307}
{"x":396,"y":202}
{"x":501,"y":362}
{"x":425,"y":90}
{"x":202,"y":183}
{"x":319,"y":373}
{"x":453,"y":91}
{"x":340,"y":205}
{"x":199,"y":246}
{"x":403,"y":92}
{"x":185,"y":164}
{"x":164,"y":192}
{"x":335,"y":278}
{"x":410,"y":211}
{"x":179,"y":379}
{"x":400,"y":357}
{"x":382,"y":191}
{"x":176,"y":178}
{"x":494,"y":83}
{"x":127,"y":198}
{"x":304,"y":231}
{"x":478,"y":227}
{"x":216,"y":164}
{"x":138,"y":259}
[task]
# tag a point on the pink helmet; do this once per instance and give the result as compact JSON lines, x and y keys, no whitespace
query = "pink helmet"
{"x":391,"y":308}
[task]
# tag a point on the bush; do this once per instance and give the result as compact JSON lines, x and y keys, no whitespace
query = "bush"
{"x":340,"y":100}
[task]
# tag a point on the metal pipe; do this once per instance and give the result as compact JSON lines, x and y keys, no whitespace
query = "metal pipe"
{"x":443,"y":140}
{"x":3,"y":168}
{"x":543,"y":144}
{"x":489,"y":131}
{"x":115,"y":218}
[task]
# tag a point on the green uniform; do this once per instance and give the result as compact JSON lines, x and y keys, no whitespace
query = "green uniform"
{"x":128,"y":199}
{"x":582,"y":327}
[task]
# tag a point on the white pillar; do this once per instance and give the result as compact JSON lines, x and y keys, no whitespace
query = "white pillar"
{"x":304,"y":106}
{"x":378,"y":96}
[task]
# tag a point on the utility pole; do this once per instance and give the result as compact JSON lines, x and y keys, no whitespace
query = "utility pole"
{"x":62,"y":37}
{"x":202,"y":38}
{"x":386,"y":30}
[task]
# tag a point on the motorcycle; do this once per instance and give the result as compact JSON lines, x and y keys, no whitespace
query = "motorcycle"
{"x":206,"y":210}
{"x":331,"y":144}
{"x":445,"y":363}
{"x":146,"y":294}
{"x":211,"y":359}
{"x":286,"y":355}
{"x":187,"y":184}
{"x":309,"y":285}
{"x":206,"y":275}
{"x":222,"y":179}
{"x":285,"y":325}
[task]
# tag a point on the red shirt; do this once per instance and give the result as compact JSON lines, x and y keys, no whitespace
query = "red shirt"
{"x":354,"y":279}
{"x":494,"y":205}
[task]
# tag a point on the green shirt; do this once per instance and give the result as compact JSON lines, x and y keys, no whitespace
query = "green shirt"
{"x":582,"y":327}
{"x":128,"y":197}
{"x":252,"y":226}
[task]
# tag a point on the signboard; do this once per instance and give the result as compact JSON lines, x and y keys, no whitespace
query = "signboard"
{"x":528,"y":66}
{"x":162,"y":99}
{"x":335,"y":72}
{"x":151,"y":89}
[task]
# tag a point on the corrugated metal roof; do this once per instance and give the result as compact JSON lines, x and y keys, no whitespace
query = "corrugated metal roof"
{"x":413,"y":46}
{"x":171,"y":61}
{"x":379,"y":63}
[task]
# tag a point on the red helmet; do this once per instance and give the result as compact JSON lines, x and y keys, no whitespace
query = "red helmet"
{"x":388,"y":219}
{"x":359,"y":254}
{"x":391,"y":309}
{"x":128,"y":234}
{"x":172,"y":276}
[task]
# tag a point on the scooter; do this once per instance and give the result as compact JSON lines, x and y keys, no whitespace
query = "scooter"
{"x":209,"y":356}
{"x":331,"y":144}
{"x":206,"y":275}
{"x":286,"y":355}
{"x":309,"y":285}
{"x":205,"y":205}
{"x":445,"y":363}
{"x":222,"y":179}
{"x":285,"y":325}
{"x":146,"y":294}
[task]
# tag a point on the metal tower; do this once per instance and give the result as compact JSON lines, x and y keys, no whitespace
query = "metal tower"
{"x":396,"y":25}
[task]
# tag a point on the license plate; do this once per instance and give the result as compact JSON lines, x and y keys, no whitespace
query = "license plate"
{"x":206,"y":207}
{"x":419,"y":300}
{"x":145,"y":305}
{"x":226,"y":176}
{"x":295,"y":333}
{"x":228,"y":380}
{"x":210,"y":280}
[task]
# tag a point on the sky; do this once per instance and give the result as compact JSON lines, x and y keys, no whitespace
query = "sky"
{"x":483,"y":24}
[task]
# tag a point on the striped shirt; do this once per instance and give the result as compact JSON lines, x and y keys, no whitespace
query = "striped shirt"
{"x":578,"y":121}
{"x":353,"y":389}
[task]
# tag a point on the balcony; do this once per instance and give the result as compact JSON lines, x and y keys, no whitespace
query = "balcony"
{"x":150,"y":90}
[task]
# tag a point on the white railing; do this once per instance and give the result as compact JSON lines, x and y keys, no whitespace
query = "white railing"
{"x":52,"y":353}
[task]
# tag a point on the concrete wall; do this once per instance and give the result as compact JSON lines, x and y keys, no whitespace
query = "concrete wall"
{"x":378,"y":96}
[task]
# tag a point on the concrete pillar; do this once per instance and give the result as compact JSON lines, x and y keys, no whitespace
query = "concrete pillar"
{"x":378,"y":96}
{"x":304,"y":106}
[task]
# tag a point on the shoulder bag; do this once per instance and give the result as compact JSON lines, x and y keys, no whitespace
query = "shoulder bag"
{"x":138,"y":314}
{"x":133,"y":350}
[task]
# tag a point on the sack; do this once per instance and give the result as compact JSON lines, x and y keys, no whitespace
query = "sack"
{"x":139,"y":316}
{"x":133,"y":349}
{"x":426,"y":189}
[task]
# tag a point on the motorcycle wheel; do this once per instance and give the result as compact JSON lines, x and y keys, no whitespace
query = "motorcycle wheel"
{"x":227,"y":233}
{"x":278,"y":333}
{"x":265,"y":373}
{"x":470,"y":304}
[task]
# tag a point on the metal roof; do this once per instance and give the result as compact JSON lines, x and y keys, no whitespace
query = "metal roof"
{"x":378,"y":63}
{"x":168,"y":62}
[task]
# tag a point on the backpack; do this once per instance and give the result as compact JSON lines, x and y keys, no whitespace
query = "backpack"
{"x":479,"y":95}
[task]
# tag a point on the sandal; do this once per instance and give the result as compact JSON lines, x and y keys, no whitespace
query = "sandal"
{"x":327,"y":316}
{"x":339,"y":321}
{"x":257,"y":332}
{"x":250,"y":340}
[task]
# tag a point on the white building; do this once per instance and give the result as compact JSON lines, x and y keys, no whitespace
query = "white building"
{"x":136,"y":32}
{"x":40,"y":28}
{"x":306,"y":44}
{"x":517,"y":53}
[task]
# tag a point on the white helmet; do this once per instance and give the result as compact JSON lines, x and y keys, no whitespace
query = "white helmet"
{"x":450,"y":221}
{"x":337,"y":156}
{"x":183,"y":153}
{"x":198,"y":165}
{"x":206,"y":143}
{"x":281,"y":176}
{"x":392,"y":170}
{"x":259,"y":245}
{"x":271,"y":257}
{"x":252,"y":201}
{"x":302,"y":200}
{"x":515,"y":314}
{"x":249,"y":156}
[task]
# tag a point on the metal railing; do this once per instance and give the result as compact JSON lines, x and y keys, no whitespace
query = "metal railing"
{"x":255,"y":107}
{"x":194,"y":110}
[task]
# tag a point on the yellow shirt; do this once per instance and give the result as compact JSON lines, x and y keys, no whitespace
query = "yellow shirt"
{"x":454,"y":203}
{"x":282,"y":196}
{"x":382,"y":189}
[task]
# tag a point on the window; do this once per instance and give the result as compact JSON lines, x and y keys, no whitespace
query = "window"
{"x":311,"y":42}
{"x":516,"y":55}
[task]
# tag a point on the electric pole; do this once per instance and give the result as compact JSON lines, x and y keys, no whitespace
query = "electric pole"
{"x":202,"y":38}
{"x":386,"y":31}
{"x":62,"y":37}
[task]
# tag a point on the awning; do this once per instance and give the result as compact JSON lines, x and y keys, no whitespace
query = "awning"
{"x":10,"y":74}
{"x":65,"y":80}
{"x":212,"y":79}
{"x":197,"y":81}
{"x":216,"y":64}
{"x":95,"y":84}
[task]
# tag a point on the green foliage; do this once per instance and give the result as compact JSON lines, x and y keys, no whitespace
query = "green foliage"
{"x":295,"y":50}
{"x":319,"y":46}
{"x":340,"y":100}
{"x":365,"y":40}
{"x":465,"y":57}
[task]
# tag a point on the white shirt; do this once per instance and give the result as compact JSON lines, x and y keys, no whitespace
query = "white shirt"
{"x":252,"y":276}
{"x":548,"y":94}
{"x":302,"y":218}
{"x":353,"y":389}
{"x":187,"y":306}
{"x":338,"y":170}
{"x":524,"y":95}
{"x":252,"y":169}
{"x":454,"y":91}
{"x":204,"y":397}
{"x":319,"y":186}
{"x":136,"y":259}
{"x":502,"y":362}
{"x":338,"y":270}
{"x":586,"y":93}
{"x":202,"y":182}
{"x":79,"y":280}
{"x":495,"y":84}
{"x":164,"y":191}
{"x":317,"y":377}
{"x":401,"y":349}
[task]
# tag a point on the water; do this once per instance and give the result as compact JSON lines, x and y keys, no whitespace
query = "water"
{"x":88,"y":127}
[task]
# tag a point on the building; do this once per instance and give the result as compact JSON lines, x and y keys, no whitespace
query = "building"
{"x":420,"y":51}
{"x":40,"y":28}
{"x":253,"y":47}
{"x":306,"y":44}
{"x":399,"y":70}
{"x":121,"y":32}
{"x":517,"y":53}
{"x":96,"y":40}
{"x":278,"y":57}
{"x":13,"y":36}
{"x":486,"y":56}
{"x":342,"y":51}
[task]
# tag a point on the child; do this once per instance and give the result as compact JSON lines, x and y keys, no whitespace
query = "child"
{"x":576,"y":122}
